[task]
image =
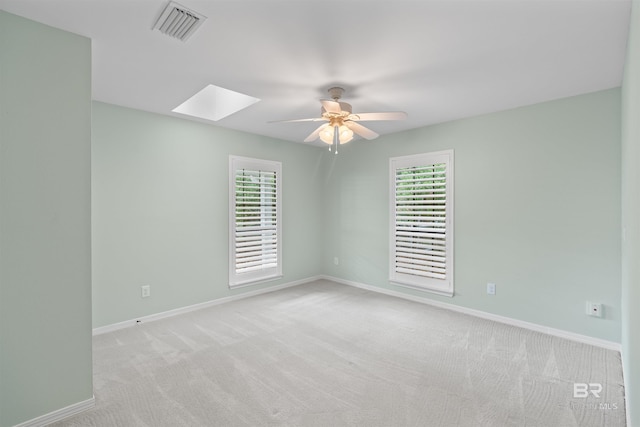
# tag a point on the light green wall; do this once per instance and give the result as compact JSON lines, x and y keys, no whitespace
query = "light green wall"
{"x":45,"y":240}
{"x":160,"y":210}
{"x":631,"y":218}
{"x":537,"y":211}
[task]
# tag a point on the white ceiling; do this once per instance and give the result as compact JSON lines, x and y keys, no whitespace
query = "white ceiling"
{"x":436,"y":60}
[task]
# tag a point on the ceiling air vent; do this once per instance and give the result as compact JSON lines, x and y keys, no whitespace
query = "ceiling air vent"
{"x":178,"y":21}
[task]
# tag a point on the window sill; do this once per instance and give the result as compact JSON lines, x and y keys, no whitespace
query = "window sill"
{"x":252,"y":282}
{"x":443,"y":292}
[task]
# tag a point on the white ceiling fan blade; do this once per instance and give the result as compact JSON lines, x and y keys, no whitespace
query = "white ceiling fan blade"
{"x":389,"y":115}
{"x":314,"y":135}
{"x":317,"y":119}
{"x":361,"y":130}
{"x":331,"y":106}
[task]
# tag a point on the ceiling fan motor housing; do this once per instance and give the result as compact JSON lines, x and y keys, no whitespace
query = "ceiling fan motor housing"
{"x":344,"y":106}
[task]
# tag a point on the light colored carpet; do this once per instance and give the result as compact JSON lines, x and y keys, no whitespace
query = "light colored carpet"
{"x":324,"y":354}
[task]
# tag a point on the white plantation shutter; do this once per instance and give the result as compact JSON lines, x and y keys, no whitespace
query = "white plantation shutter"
{"x":422,"y":221}
{"x":255,"y":225}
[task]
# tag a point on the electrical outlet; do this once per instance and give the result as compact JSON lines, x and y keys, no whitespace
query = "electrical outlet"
{"x":594,"y":309}
{"x":491,"y":288}
{"x":145,"y":291}
{"x":336,"y":261}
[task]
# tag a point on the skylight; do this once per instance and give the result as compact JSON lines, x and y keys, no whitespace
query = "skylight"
{"x":215,"y":103}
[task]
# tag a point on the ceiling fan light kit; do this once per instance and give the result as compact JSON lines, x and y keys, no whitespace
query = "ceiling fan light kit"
{"x":344,"y":134}
{"x":342,"y":123}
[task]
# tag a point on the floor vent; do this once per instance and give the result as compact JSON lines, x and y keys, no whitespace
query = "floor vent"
{"x":178,"y":21}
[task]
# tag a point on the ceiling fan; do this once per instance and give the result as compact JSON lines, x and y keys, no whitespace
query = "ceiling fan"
{"x":341,"y":123}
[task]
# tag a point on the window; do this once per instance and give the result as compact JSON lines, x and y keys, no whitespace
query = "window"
{"x":421,"y":237}
{"x":254,"y":221}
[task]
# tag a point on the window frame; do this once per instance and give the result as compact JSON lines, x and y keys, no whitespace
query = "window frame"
{"x":430,"y":284}
{"x":236,"y":279}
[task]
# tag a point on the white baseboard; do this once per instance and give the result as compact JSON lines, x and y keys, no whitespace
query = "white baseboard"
{"x":484,"y":315}
{"x":199,"y":306}
{"x":60,"y":414}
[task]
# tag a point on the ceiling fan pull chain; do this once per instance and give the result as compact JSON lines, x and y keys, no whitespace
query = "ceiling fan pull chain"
{"x":336,"y":137}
